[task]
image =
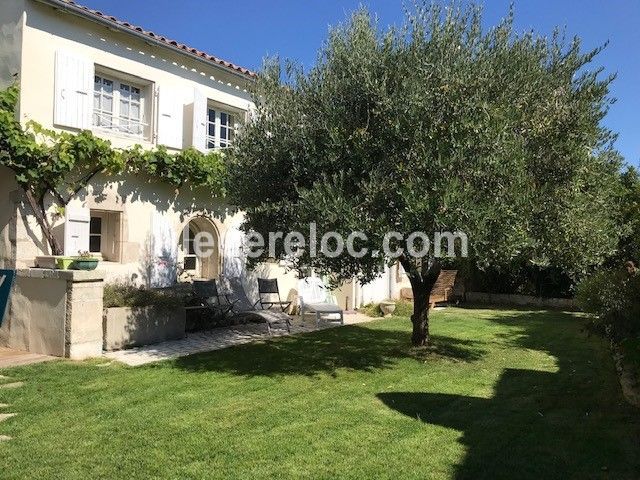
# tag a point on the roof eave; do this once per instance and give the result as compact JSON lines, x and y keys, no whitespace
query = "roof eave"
{"x":75,"y":10}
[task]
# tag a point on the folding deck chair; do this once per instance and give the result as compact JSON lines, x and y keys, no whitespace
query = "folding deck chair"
{"x":267,"y":289}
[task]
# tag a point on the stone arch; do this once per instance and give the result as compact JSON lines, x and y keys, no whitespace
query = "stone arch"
{"x":208,"y":267}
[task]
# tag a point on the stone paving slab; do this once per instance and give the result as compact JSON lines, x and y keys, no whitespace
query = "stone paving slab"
{"x":220,"y":338}
{"x":12,"y":385}
{"x":4,"y":438}
{"x":6,"y":416}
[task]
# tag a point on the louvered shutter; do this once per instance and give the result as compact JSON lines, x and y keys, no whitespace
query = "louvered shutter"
{"x":170,"y":118}
{"x":234,"y":259}
{"x":165,"y":252}
{"x":199,"y":140}
{"x":74,"y":77}
{"x":76,"y":230}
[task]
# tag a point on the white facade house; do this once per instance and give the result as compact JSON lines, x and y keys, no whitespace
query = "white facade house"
{"x":81,"y":69}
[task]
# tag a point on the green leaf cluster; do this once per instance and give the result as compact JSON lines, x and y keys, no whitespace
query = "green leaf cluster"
{"x":61,"y":163}
{"x":437,"y":125}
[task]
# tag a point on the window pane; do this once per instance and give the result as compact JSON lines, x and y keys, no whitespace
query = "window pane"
{"x":107,"y":86}
{"x":124,"y":108}
{"x":95,"y":243}
{"x":107,"y":104}
{"x":135,"y":111}
{"x":95,"y":225}
{"x":211,"y":143}
{"x":190,"y":263}
{"x":212,"y":116}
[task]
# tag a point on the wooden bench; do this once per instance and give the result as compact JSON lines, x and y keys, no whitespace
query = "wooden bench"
{"x":441,"y":291}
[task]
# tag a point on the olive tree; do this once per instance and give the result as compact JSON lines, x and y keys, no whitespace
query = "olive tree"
{"x":438,"y":125}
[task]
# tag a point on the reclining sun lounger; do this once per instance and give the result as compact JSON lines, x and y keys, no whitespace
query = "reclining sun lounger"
{"x":312,"y":295}
{"x":242,"y":306}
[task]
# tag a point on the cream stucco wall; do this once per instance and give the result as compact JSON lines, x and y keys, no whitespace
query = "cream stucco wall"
{"x":47,"y":30}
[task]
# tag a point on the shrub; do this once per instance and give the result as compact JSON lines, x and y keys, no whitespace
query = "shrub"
{"x":404,"y":308}
{"x":124,"y":295}
{"x":614,"y":296}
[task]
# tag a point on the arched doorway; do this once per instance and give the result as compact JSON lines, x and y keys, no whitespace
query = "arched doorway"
{"x":207,"y":266}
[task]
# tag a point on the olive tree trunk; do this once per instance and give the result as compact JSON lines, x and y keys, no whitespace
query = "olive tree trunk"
{"x":422,"y":282}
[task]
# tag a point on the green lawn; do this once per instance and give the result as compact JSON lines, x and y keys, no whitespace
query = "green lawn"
{"x":501,"y":394}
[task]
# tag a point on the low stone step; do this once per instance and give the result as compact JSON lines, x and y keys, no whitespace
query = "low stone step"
{"x":4,"y":405}
{"x":4,"y":438}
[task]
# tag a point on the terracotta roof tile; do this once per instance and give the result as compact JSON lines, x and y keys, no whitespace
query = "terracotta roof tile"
{"x":169,"y":42}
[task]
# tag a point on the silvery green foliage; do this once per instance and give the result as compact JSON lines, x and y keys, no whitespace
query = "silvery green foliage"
{"x":438,"y":125}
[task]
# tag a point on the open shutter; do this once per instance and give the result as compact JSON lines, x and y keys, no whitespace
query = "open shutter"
{"x":76,"y":230}
{"x":164,"y":268}
{"x":170,"y":118}
{"x":74,"y":77}
{"x":199,"y":140}
{"x":234,"y":259}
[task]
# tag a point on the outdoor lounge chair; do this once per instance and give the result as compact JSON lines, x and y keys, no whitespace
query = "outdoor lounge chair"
{"x":442,"y":290}
{"x":312,"y":295}
{"x":207,"y":297}
{"x":243,"y":307}
{"x":267,"y":289}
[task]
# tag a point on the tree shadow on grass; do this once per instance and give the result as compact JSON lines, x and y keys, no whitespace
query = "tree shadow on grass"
{"x":352,"y":348}
{"x":571,"y":423}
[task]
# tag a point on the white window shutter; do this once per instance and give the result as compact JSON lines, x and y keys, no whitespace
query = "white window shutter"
{"x":199,"y":140}
{"x":170,"y":118}
{"x":74,"y":76}
{"x":165,"y":252}
{"x":234,"y":259}
{"x":76,"y":230}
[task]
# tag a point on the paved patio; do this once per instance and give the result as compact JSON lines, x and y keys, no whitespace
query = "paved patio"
{"x":14,"y":358}
{"x":219,"y":338}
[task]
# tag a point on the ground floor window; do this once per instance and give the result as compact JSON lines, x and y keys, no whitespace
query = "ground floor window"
{"x":95,"y":234}
{"x":105,"y":230}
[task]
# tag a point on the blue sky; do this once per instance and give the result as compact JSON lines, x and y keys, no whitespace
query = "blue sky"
{"x":245,"y":31}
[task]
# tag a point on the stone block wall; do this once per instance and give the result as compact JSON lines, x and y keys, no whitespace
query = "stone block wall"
{"x":55,"y":312}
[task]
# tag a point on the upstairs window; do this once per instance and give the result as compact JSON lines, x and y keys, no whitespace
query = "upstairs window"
{"x":118,"y":105}
{"x":221,"y":128}
{"x":227,"y":129}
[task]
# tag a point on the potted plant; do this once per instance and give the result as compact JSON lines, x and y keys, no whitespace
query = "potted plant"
{"x":388,"y":307}
{"x":84,"y":261}
{"x":64,"y":263}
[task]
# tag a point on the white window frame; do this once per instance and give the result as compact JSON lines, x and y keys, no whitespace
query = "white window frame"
{"x":111,"y":227}
{"x":120,"y":124}
{"x":216,"y":141}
